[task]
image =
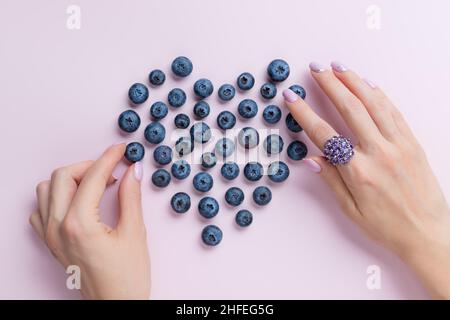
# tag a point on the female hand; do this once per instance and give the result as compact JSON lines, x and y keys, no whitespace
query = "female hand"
{"x":388,"y":187}
{"x":114,"y":263}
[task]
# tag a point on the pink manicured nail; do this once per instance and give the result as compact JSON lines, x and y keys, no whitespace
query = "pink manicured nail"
{"x":316,"y":67}
{"x":312,"y":165}
{"x":339,"y":67}
{"x":138,"y":170}
{"x":370,"y":83}
{"x":290,"y":96}
{"x":119,"y":143}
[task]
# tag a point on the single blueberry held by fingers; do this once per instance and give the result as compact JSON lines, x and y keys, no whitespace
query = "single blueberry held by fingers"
{"x":180,"y":202}
{"x":134,"y":152}
{"x":292,"y":124}
{"x":182,"y":66}
{"x":247,"y":108}
{"x":208,"y":207}
{"x":245,"y":81}
{"x":273,"y":144}
{"x":230,"y":170}
{"x":244,"y":218}
{"x":163,"y":155}
{"x":180,"y":169}
{"x":224,"y":147}
{"x":278,"y":70}
{"x":161,"y":178}
{"x":158,"y":110}
{"x":155,"y":132}
{"x":226,"y":92}
{"x":278,"y":171}
{"x":253,"y":171}
{"x":184,"y":146}
{"x":234,"y":196}
{"x":201,"y":109}
{"x":272,"y":114}
{"x":156,"y":77}
{"x":138,"y":93}
{"x":226,"y":120}
{"x":212,"y":235}
{"x":298,"y":90}
{"x":262,"y":195}
{"x":268,"y":90}
{"x":129,"y":121}
{"x":200,"y":132}
{"x":248,"y":137}
{"x":203,"y":181}
{"x":209,"y":160}
{"x":176,"y":97}
{"x":182,"y":121}
{"x":203,"y":88}
{"x":297,"y":150}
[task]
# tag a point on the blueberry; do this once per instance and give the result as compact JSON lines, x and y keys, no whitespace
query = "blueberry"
{"x":245,"y":81}
{"x":244,"y":218}
{"x":262,"y":195}
{"x":182,"y":121}
{"x":248,"y":137}
{"x":134,"y":152}
{"x":224,"y":147}
{"x":157,"y":77}
{"x":234,"y":196}
{"x":229,"y":170}
{"x":161,"y":178}
{"x":226,"y":120}
{"x":182,"y":66}
{"x":138,"y":93}
{"x":184,"y":146}
{"x":176,"y":97}
{"x":253,"y":171}
{"x":155,"y":132}
{"x":200,"y":132}
{"x":212,"y":235}
{"x":209,"y":160}
{"x":272,"y":114}
{"x":203,"y":88}
{"x":203,"y":181}
{"x":273,"y":144}
{"x":158,"y":110}
{"x":278,"y":70}
{"x":201,"y":109}
{"x":247,"y":108}
{"x":298,"y":90}
{"x":163,"y":155}
{"x":297,"y":150}
{"x":226,"y":92}
{"x":278,"y":171}
{"x":180,"y":169}
{"x":129,"y":121}
{"x":292,"y":124}
{"x":268,"y":90}
{"x":180,"y":202}
{"x":208,"y":207}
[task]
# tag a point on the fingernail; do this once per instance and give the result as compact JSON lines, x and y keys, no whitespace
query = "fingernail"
{"x":316,"y":67}
{"x":312,"y":165}
{"x":289,"y":95}
{"x":138,"y":170}
{"x":119,"y":143}
{"x":339,"y":67}
{"x":370,"y":83}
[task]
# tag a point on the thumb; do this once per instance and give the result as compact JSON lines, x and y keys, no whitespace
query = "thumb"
{"x":130,"y":198}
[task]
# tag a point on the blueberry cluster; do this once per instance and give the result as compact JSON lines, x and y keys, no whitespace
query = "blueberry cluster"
{"x":199,"y":132}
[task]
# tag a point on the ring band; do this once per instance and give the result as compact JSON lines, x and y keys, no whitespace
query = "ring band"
{"x":338,"y":150}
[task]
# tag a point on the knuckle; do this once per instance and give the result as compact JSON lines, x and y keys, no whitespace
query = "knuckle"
{"x":59,"y":173}
{"x":42,"y":186}
{"x":350,"y":105}
{"x":70,"y":228}
{"x":321,"y":132}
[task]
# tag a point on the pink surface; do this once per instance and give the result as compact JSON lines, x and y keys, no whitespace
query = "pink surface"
{"x":61,"y":92}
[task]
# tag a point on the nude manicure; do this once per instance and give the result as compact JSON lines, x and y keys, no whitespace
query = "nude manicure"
{"x":370,"y":83}
{"x":290,"y":96}
{"x":316,"y":67}
{"x":312,"y":165}
{"x":338,"y":67}
{"x":138,"y":171}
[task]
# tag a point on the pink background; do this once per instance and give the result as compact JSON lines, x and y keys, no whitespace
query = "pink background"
{"x":61,"y":92}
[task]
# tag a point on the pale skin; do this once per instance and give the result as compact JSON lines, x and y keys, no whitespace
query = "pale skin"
{"x":388,"y":189}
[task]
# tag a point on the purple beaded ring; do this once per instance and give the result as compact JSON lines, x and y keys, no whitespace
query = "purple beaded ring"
{"x":338,"y":150}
